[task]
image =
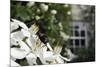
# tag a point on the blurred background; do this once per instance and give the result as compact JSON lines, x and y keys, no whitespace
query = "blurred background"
{"x":82,"y":40}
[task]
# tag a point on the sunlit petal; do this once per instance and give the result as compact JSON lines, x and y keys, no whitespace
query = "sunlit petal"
{"x":24,"y":46}
{"x":34,"y":29}
{"x":14,"y":42}
{"x":18,"y":53}
{"x":25,"y":33}
{"x":48,"y":45}
{"x":21,"y":24}
{"x":30,"y":41}
{"x":59,"y":60}
{"x":66,"y":59}
{"x":17,"y":35}
{"x":49,"y":56}
{"x":31,"y":59}
{"x":14,"y":26}
{"x":57,"y":49}
{"x":41,"y":56}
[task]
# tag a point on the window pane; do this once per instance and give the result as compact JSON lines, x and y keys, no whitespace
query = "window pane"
{"x":76,"y":33}
{"x":76,"y":27}
{"x":83,"y":42}
{"x":77,"y":42}
{"x":83,"y":33}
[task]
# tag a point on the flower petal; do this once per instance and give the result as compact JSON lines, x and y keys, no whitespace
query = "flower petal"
{"x":24,"y":46}
{"x":17,"y":35}
{"x":18,"y":53}
{"x":13,"y":42}
{"x":14,"y":26}
{"x":66,"y":59}
{"x":30,"y":3}
{"x":21,"y":24}
{"x":34,"y":29}
{"x":13,"y":63}
{"x":41,"y":56}
{"x":57,"y":49}
{"x":31,"y":59}
{"x":30,"y":41}
{"x":59,"y":60}
{"x":53,"y":12}
{"x":44,"y":7}
{"x":25,"y":32}
{"x":48,"y":45}
{"x":49,"y":56}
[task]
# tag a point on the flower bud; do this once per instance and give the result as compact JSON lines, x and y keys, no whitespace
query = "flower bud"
{"x":66,"y":5}
{"x":44,"y":7}
{"x":53,"y":12}
{"x":69,"y":12}
{"x":30,"y":3}
{"x":37,"y":17}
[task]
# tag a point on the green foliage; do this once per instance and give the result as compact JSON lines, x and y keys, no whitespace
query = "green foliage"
{"x":21,"y":11}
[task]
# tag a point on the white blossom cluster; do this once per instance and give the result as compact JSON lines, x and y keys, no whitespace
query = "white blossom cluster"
{"x":31,"y":46}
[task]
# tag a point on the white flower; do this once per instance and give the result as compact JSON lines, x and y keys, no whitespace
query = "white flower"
{"x":69,"y":12}
{"x":60,"y":25}
{"x":64,"y":36}
{"x":57,"y":50}
{"x":66,"y":5}
{"x":53,"y":12}
{"x":45,"y":55}
{"x":26,"y":33}
{"x":66,"y":59}
{"x":14,"y":42}
{"x":44,"y":7}
{"x":17,"y":39}
{"x":17,"y":35}
{"x":48,"y":45}
{"x":18,"y":53}
{"x":59,"y":60}
{"x":52,"y":56}
{"x":38,"y":10}
{"x":14,"y":26}
{"x":31,"y":59}
{"x":13,"y":63}
{"x":30,"y":41}
{"x":30,"y":3}
{"x":21,"y":24}
{"x":37,"y":17}
{"x":49,"y":56}
{"x":24,"y":46}
{"x":31,"y":47}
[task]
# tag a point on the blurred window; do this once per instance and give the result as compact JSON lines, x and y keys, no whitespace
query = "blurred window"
{"x":76,"y":33}
{"x":83,"y":33}
{"x":78,"y":37}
